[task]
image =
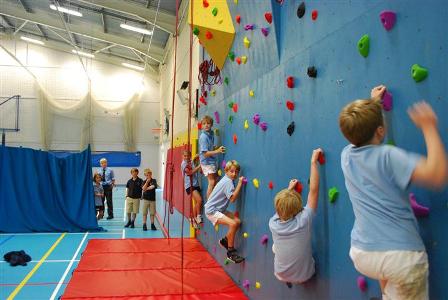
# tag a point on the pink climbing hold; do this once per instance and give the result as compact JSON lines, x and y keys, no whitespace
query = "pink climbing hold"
{"x":246,"y":284}
{"x":249,"y":27}
{"x":264,"y":126}
{"x":362,"y":283}
{"x":214,"y":249}
{"x":388,"y":19}
{"x":264,"y":239}
{"x":265,"y":31}
{"x":235,"y":107}
{"x":223,"y":164}
{"x":217,"y":117}
{"x":244,"y":182}
{"x":256,"y":119}
{"x":387,"y":101}
{"x":419,"y":210}
{"x":268,"y":17}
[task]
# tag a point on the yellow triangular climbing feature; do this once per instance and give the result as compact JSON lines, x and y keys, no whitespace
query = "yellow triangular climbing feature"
{"x":213,"y":25}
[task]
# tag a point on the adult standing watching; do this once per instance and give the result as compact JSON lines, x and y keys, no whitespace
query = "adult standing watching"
{"x":108,"y":182}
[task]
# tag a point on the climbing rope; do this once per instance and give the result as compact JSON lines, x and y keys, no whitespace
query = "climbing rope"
{"x":209,"y":74}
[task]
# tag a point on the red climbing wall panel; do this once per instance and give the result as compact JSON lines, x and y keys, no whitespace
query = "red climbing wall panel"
{"x":149,"y":269}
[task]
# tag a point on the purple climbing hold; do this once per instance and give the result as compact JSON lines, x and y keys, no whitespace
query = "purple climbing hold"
{"x":265,"y":31}
{"x":387,"y":101}
{"x":419,"y":210}
{"x":362,"y":283}
{"x":244,"y":180}
{"x":246,"y":284}
{"x":223,"y":164}
{"x":249,"y":27}
{"x":264,"y":239}
{"x":264,"y":126}
{"x":217,"y":117}
{"x":388,"y":19}
{"x":256,"y":119}
{"x":214,"y":249}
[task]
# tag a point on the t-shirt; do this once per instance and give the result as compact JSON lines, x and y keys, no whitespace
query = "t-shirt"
{"x":187,"y":179}
{"x":107,"y":176}
{"x":293,"y":259}
{"x":219,"y":198}
{"x":376,"y":177}
{"x":135,"y":188}
{"x":206,"y":143}
{"x":98,"y":189}
{"x":150,"y":194}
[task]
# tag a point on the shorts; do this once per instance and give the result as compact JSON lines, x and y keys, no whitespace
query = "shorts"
{"x":149,"y":205}
{"x":195,"y":188}
{"x":132,"y":205}
{"x":208,"y":169}
{"x":218,"y":215}
{"x":406,"y":272}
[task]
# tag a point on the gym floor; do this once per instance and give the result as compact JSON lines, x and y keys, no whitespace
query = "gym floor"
{"x":56,"y":255}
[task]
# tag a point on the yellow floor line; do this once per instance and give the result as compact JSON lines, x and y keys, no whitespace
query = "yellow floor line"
{"x":28,"y":276}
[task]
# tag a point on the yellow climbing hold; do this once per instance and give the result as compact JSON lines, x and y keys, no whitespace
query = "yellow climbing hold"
{"x":246,"y":124}
{"x":257,"y":284}
{"x":244,"y":59}
{"x":235,"y":1}
{"x":216,"y":227}
{"x":251,"y":93}
{"x":245,"y":235}
{"x":255,"y":182}
{"x":246,"y":42}
{"x":219,"y":172}
{"x":220,"y":21}
{"x":213,"y":92}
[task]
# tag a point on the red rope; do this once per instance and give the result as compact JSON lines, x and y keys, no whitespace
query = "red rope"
{"x":209,"y":74}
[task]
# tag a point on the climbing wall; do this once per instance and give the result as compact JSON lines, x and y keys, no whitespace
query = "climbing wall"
{"x":278,"y":44}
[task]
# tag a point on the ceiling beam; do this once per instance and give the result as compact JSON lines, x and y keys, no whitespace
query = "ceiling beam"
{"x":103,"y":20}
{"x":7,"y":21}
{"x":42,"y":31}
{"x":165,"y":20}
{"x":25,"y":6}
{"x":155,"y":53}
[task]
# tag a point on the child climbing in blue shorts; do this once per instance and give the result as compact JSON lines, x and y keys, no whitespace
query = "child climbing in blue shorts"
{"x":291,"y":229}
{"x":216,"y":208}
{"x":385,"y":240}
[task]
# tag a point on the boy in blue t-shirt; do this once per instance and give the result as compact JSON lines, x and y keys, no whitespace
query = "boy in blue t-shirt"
{"x":385,"y":241}
{"x":291,"y":228}
{"x":216,"y":208}
{"x":191,"y":183}
{"x":207,"y":154}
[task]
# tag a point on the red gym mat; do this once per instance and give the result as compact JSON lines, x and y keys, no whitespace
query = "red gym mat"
{"x":149,"y":269}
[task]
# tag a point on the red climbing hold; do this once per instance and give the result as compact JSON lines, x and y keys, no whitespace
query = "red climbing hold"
{"x":235,"y":107}
{"x":321,"y":158}
{"x":314,"y":14}
{"x":290,"y":82}
{"x":203,"y":101}
{"x":238,"y":60}
{"x":290,"y":105}
{"x":268,"y":17}
{"x":208,"y":35}
{"x":237,"y":214}
{"x":362,"y":283}
{"x":299,"y":187}
{"x":199,"y":125}
{"x":271,"y":185}
{"x":205,"y":3}
{"x":238,"y":19}
{"x":235,"y":139}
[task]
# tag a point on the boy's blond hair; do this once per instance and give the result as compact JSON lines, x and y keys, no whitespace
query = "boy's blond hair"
{"x":207,"y":119}
{"x":288,"y":203}
{"x":359,"y":120}
{"x":146,"y":171}
{"x":232,"y":163}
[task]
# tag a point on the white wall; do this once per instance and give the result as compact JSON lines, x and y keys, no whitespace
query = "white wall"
{"x":62,"y":76}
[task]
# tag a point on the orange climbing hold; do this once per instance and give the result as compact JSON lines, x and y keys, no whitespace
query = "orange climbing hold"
{"x":205,"y":3}
{"x":299,"y":187}
{"x":235,"y":139}
{"x":208,"y":35}
{"x":314,"y":15}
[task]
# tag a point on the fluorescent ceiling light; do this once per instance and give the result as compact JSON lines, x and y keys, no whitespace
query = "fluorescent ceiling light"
{"x":83,"y":53}
{"x":66,"y":10}
{"x":138,"y":68}
{"x":136,"y":29}
{"x":32,"y":40}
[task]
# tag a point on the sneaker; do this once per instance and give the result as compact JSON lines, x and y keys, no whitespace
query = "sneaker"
{"x":223,"y":243}
{"x":109,"y":217}
{"x":234,"y":257}
{"x":289,"y":284}
{"x":199,"y":219}
{"x":127,"y":224}
{"x":144,"y":227}
{"x":153,"y":227}
{"x":132,"y":224}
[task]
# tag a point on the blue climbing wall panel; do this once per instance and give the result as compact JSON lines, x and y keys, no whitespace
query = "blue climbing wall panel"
{"x":330,"y":44}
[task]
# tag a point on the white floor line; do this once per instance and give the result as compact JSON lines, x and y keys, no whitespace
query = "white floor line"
{"x":56,"y":290}
{"x":123,"y":234}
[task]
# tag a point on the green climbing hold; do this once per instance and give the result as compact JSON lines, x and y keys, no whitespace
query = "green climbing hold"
{"x":333,"y":194}
{"x":230,"y":105}
{"x":364,"y":45}
{"x":227,"y":261}
{"x":216,"y":131}
{"x":390,"y":142}
{"x":226,"y":80}
{"x":419,"y":73}
{"x":232,"y":55}
{"x":230,"y":119}
{"x":214,"y":11}
{"x":196,"y":31}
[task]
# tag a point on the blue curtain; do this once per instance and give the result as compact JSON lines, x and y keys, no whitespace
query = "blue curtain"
{"x":40,"y":192}
{"x":114,"y":159}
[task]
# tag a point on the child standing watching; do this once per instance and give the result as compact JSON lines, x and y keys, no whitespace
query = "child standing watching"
{"x":207,"y":154}
{"x":98,"y":194}
{"x":133,"y":196}
{"x":385,"y":241}
{"x":216,"y":208}
{"x":191,"y":183}
{"x":291,"y":229}
{"x":149,"y":199}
